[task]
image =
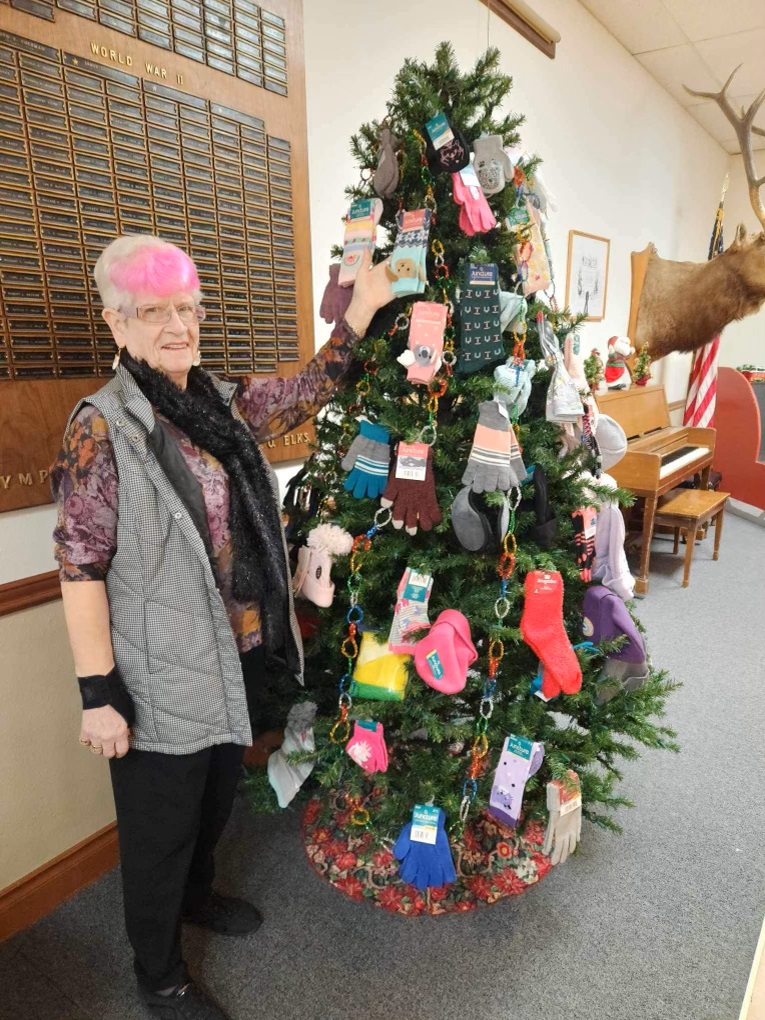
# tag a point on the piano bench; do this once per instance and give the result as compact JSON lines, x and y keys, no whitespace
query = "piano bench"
{"x":688,"y":510}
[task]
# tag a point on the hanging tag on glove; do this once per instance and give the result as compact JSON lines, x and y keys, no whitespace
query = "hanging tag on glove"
{"x":424,"y":824}
{"x":412,"y":461}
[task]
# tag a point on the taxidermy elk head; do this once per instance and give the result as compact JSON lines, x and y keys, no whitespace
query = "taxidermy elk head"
{"x":684,"y":305}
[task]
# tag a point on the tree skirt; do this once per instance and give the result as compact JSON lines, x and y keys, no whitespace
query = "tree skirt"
{"x":492,"y":862}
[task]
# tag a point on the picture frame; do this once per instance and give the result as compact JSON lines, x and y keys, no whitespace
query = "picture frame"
{"x":587,"y":275}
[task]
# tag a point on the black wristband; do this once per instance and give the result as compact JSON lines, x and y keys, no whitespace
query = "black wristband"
{"x":97,"y":691}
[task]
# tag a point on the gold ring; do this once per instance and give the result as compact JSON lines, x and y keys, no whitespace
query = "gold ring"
{"x":85,"y":743}
{"x":96,"y":750}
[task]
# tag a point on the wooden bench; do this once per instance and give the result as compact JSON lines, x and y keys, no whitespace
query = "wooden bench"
{"x":688,"y":510}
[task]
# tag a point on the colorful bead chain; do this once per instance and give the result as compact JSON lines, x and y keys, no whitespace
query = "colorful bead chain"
{"x":480,"y":747}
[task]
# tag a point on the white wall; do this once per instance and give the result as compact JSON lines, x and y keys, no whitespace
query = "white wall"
{"x":623,"y":159}
{"x":743,"y":343}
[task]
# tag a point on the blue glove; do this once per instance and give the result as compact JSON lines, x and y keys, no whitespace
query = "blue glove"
{"x":425,"y":865}
{"x":368,"y":461}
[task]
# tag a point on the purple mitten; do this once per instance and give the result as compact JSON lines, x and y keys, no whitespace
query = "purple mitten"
{"x":520,"y":759}
{"x":335,"y":300}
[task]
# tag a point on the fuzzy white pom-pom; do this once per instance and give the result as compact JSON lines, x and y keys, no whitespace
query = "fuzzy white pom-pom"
{"x":334,"y":539}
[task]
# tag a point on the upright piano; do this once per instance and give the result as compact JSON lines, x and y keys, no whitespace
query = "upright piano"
{"x":659,"y":455}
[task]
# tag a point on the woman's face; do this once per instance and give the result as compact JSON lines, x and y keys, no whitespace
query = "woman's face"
{"x":170,"y":346}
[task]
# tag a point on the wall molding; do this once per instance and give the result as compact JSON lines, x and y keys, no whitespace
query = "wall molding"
{"x":35,"y":895}
{"x":28,"y":592}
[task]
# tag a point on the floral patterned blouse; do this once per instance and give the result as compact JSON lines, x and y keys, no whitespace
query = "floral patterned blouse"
{"x":85,"y":482}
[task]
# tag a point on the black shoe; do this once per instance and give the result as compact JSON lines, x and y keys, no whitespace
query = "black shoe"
{"x":187,"y":1002}
{"x":226,"y":915}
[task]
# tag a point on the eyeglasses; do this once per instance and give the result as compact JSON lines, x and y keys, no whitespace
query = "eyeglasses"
{"x":159,"y":315}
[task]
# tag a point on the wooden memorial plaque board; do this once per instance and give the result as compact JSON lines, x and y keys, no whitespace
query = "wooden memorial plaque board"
{"x":165,"y":116}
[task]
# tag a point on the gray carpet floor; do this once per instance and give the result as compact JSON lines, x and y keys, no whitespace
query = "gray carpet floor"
{"x":658,"y":924}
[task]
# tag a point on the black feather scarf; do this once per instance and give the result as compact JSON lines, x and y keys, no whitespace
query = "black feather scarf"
{"x":259,"y":568}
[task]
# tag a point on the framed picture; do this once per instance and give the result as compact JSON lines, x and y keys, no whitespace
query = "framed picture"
{"x":587,"y":277}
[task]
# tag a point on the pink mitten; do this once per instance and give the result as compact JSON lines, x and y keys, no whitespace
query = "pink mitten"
{"x":475,"y":215}
{"x":367,"y":746}
{"x":335,"y":300}
{"x":442,"y":658}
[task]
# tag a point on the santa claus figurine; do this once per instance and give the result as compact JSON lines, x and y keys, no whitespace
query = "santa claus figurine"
{"x":618,"y":375}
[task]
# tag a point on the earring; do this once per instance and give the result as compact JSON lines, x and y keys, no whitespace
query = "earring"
{"x":197,"y":360}
{"x":116,"y":359}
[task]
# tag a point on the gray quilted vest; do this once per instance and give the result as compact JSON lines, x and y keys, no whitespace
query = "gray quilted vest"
{"x":172,"y":639}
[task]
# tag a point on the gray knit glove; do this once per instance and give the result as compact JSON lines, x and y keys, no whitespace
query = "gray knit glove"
{"x":367,"y":460}
{"x":495,"y":462}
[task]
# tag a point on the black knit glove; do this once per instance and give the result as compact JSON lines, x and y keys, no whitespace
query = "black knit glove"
{"x":97,"y":691}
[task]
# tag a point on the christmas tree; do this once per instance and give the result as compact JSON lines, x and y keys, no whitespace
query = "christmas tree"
{"x":443,"y":748}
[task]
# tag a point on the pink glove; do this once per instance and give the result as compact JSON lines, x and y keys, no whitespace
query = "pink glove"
{"x":475,"y":215}
{"x":367,"y":746}
{"x":335,"y":300}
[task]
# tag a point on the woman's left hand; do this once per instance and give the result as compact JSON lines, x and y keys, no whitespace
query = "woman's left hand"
{"x":371,"y":291}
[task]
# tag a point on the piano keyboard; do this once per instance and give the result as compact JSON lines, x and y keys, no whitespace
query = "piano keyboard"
{"x":681,"y":458}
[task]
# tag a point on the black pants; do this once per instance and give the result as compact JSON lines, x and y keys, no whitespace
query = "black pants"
{"x":171,"y":812}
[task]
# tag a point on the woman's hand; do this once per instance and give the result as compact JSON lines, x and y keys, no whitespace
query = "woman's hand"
{"x":106,"y":731}
{"x":371,"y":291}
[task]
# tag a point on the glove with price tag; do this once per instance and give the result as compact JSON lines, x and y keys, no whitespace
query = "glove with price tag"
{"x":367,"y":460}
{"x":476,"y":216}
{"x":564,"y":828}
{"x":411,"y":489}
{"x":423,"y":850}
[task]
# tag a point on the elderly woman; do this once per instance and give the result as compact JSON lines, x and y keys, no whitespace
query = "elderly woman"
{"x":176,"y":587}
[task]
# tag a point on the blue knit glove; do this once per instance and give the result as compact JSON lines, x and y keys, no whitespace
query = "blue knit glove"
{"x":425,"y":865}
{"x":368,"y":461}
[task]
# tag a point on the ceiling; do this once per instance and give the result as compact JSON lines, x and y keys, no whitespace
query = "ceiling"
{"x":697,"y":43}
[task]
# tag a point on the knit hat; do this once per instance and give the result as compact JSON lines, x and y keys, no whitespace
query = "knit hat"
{"x":611,"y":439}
{"x":606,"y":618}
{"x":443,"y":656}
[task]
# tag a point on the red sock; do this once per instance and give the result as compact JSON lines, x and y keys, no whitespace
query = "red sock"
{"x":543,"y":631}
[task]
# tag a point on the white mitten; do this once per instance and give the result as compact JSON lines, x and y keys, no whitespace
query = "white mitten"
{"x":564,"y":828}
{"x":284,"y":777}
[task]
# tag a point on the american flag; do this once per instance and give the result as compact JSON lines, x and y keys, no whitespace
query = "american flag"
{"x":702,"y":387}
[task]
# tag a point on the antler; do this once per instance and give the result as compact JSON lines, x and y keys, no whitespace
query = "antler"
{"x":743,"y":123}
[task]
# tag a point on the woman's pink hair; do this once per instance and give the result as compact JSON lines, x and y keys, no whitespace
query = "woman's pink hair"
{"x":143,"y":264}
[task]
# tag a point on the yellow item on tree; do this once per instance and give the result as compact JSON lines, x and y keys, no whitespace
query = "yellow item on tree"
{"x":379,"y":674}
